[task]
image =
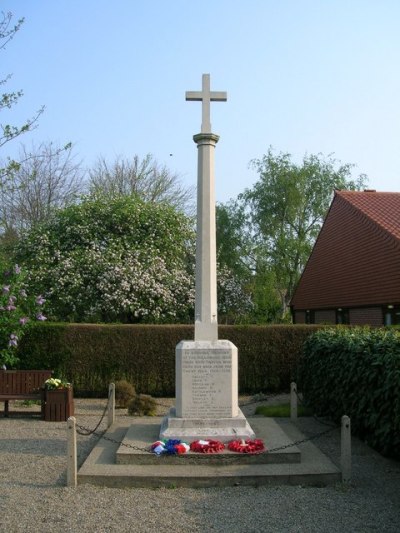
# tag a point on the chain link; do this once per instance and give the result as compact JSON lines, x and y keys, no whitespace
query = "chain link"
{"x":85,"y":431}
{"x":114,"y":441}
{"x":317,"y":418}
{"x":302,"y":441}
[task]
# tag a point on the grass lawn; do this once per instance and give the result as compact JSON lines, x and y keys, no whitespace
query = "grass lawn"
{"x":282,"y":410}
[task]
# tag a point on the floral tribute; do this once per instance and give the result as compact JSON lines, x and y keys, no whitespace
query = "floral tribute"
{"x":246,"y":446}
{"x":207,"y":446}
{"x":170,"y":447}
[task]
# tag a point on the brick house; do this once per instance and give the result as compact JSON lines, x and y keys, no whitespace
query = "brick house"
{"x":353,"y":273}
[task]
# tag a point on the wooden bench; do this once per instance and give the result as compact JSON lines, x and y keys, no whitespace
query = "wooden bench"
{"x":22,"y":385}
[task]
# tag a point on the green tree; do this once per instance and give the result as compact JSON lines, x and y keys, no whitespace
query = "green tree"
{"x":239,"y":252}
{"x":235,"y":248}
{"x":236,"y":265}
{"x":112,"y":259}
{"x":286,"y":208}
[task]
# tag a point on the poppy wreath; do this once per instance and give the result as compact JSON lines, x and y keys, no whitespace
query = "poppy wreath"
{"x":206,"y":446}
{"x":248,"y":446}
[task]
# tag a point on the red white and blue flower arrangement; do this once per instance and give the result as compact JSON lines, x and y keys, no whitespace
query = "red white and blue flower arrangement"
{"x":177,"y":447}
{"x":170,"y":447}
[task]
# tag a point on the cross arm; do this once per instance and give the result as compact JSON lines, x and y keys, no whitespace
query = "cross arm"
{"x":215,"y":96}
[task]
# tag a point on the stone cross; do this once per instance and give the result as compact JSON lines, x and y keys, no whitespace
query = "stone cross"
{"x":206,"y":368}
{"x":206,"y":96}
{"x":206,"y":321}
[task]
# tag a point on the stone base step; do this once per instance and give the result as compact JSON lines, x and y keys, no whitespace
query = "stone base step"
{"x":100,"y":468}
{"x":142,"y":434}
{"x":220,"y":429}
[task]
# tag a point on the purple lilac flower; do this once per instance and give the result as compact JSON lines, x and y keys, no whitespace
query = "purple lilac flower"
{"x":40,"y":300}
{"x":23,"y":320}
{"x":13,"y":340}
{"x":10,"y":307}
{"x":22,"y":293}
{"x":40,"y":316}
{"x":17,"y":269}
{"x":11,"y":300}
{"x":6,"y":289}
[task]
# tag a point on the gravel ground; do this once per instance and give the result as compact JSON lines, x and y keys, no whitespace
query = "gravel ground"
{"x":34,"y":498}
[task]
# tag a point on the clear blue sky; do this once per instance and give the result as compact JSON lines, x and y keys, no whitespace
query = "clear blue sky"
{"x":314,"y":76}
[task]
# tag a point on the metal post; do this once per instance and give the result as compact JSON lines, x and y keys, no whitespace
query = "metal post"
{"x":345,"y":449}
{"x":293,"y":401}
{"x":72,"y":473}
{"x":111,"y":405}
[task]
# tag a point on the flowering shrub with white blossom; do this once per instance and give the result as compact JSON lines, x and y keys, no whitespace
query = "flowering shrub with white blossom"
{"x":17,"y":311}
{"x":113,"y":260}
{"x":234,"y":302}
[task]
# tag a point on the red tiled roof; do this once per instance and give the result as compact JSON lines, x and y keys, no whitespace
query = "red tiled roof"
{"x":356,"y":258}
{"x":383,"y":208}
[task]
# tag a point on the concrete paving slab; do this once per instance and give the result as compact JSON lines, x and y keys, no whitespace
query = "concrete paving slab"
{"x":101,"y":468}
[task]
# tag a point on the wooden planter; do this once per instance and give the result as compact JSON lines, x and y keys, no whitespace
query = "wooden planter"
{"x":59,"y":405}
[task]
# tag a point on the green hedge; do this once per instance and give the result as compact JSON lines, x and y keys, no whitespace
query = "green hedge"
{"x":356,"y":372}
{"x":91,"y":356}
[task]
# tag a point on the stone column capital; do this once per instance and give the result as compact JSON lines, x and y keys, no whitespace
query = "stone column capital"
{"x":206,"y":138}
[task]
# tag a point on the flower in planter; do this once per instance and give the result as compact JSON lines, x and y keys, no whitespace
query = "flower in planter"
{"x":56,"y":384}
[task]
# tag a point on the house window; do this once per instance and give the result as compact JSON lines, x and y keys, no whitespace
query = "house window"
{"x":342,"y":316}
{"x":392,"y":315}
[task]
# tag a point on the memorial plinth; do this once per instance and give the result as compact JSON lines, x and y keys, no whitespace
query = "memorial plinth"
{"x":206,"y":379}
{"x":206,"y":394}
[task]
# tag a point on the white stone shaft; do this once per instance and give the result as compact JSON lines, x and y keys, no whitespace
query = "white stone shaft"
{"x":206,"y":96}
{"x":206,"y":318}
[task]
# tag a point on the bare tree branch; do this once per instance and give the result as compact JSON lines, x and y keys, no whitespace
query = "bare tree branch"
{"x":146,"y":178}
{"x":47,"y":178}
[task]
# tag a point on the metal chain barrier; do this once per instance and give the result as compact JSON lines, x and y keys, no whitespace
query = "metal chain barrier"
{"x":317,"y":418}
{"x":302,"y":441}
{"x":226,"y":458}
{"x":233,"y":457}
{"x":85,"y":431}
{"x":101,"y":435}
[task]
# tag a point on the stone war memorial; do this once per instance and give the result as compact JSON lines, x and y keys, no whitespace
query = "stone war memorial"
{"x":206,"y":368}
{"x":206,"y":411}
